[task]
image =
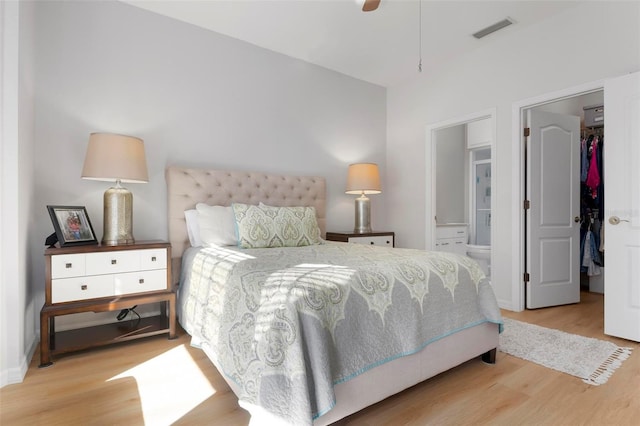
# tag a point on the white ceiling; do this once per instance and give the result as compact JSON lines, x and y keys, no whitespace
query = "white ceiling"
{"x":381,"y":47}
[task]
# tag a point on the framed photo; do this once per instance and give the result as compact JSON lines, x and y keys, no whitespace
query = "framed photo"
{"x":72,"y":225}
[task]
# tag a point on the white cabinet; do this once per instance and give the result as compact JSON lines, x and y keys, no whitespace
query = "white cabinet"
{"x":452,"y":238}
{"x":479,"y":133}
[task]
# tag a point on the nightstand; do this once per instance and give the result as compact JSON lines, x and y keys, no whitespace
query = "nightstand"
{"x":373,"y":238}
{"x":105,"y":278}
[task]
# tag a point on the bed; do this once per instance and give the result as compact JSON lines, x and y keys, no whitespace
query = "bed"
{"x":301,"y":335}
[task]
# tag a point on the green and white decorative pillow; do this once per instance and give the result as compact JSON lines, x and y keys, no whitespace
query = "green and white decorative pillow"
{"x":268,"y":226}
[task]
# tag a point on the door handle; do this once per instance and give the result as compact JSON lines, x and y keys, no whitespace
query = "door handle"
{"x":576,"y":219}
{"x":614,"y":220}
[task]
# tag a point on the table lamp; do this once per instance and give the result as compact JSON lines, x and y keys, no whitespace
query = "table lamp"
{"x":363,"y":178}
{"x":116,"y":158}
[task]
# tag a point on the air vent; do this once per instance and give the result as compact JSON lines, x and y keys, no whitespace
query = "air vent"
{"x":493,"y":28}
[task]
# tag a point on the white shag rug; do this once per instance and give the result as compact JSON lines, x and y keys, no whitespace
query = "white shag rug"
{"x":593,"y":360}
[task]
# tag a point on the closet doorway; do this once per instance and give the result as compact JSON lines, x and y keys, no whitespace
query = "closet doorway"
{"x":621,"y":156}
{"x":564,"y":203}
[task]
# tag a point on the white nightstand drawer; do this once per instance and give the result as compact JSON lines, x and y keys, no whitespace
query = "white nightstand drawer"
{"x":67,"y":265}
{"x":153,"y":259}
{"x":81,"y":288}
{"x":383,"y":240}
{"x":140,"y":282}
{"x":113,"y":262}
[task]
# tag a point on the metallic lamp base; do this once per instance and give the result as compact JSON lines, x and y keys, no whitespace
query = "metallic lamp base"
{"x":363,"y":215}
{"x":118,"y":217}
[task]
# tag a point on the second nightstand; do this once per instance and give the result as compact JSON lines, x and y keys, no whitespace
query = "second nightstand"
{"x":373,"y":238}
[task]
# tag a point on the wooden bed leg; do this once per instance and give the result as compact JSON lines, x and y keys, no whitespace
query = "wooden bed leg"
{"x":490,"y":356}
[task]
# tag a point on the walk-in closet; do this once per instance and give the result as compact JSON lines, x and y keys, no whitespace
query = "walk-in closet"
{"x":592,"y":199}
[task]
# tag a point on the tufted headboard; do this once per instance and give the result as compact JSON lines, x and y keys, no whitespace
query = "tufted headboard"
{"x":186,"y":187}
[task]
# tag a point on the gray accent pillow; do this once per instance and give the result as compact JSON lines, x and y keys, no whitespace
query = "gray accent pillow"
{"x":269,"y":226}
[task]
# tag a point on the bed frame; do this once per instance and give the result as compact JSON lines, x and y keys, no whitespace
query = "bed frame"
{"x":187,"y":186}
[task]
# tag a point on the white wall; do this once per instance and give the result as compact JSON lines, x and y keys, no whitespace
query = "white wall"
{"x":451,"y":155}
{"x":589,"y":42}
{"x":17,"y":312}
{"x":196,"y":98}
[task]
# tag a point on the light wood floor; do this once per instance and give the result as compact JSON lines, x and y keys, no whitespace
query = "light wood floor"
{"x":157,"y":381}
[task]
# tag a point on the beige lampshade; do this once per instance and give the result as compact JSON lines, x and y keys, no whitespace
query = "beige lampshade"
{"x":363,"y":178}
{"x":112,"y":157}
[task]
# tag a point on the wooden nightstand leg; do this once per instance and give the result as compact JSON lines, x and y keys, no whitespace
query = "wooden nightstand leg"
{"x":52,"y":332}
{"x":164,"y":305}
{"x":45,"y":350}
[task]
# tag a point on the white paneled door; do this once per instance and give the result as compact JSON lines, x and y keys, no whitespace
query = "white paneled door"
{"x":622,"y":207}
{"x":553,"y":228}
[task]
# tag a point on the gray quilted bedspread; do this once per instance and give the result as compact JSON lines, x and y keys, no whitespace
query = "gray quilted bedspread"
{"x":286,"y":324}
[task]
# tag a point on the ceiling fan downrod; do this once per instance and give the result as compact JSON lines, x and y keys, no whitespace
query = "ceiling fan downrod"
{"x":420,"y":36}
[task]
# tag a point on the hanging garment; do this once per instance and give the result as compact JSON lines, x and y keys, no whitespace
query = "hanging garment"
{"x":584,"y":160}
{"x":595,"y":253}
{"x":600,"y":200}
{"x":593,"y":176}
{"x":587,"y":260}
{"x":595,"y":234}
{"x":583,"y":234}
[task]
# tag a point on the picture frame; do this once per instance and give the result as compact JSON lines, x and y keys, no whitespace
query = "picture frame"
{"x":72,"y":225}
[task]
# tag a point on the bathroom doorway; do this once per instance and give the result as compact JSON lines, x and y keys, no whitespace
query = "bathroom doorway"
{"x":459,"y":185}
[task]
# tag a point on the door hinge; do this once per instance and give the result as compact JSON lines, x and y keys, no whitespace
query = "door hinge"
{"x":527,"y":131}
{"x":526,"y":277}
{"x":527,"y":204}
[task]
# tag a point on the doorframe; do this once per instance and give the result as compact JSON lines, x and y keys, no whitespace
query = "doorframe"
{"x":518,"y":111}
{"x":430,"y":175}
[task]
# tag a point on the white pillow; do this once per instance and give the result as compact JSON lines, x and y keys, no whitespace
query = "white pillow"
{"x":193,"y":228}
{"x":217,"y":225}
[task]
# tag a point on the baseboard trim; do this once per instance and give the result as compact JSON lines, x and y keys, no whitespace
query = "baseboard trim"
{"x":15,"y":375}
{"x":505,"y":304}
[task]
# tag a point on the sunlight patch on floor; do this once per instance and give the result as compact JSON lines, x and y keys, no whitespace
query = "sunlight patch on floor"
{"x":170,"y":385}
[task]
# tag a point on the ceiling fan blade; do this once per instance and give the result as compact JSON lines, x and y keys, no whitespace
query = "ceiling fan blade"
{"x":370,"y":5}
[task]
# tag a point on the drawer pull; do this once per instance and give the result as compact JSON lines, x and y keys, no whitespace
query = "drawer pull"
{"x":153,"y":258}
{"x":141,"y":281}
{"x":68,"y":265}
{"x":114,"y":261}
{"x":388,"y":242}
{"x":83,"y":287}
{"x":372,"y":243}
